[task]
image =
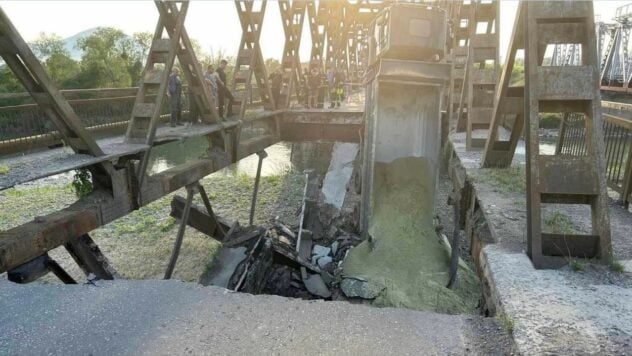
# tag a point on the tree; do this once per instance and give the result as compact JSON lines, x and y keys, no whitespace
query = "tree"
{"x":104,"y":62}
{"x":272,"y":65}
{"x":46,"y":45}
{"x":135,"y":51}
{"x":56,"y":59}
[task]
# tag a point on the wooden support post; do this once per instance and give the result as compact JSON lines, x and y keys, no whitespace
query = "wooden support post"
{"x":199,"y":218}
{"x":460,"y":14}
{"x":482,"y":70}
{"x":36,"y":268}
{"x":153,"y":87}
{"x":221,"y":230}
{"x":292,"y":15}
{"x":261,"y":155}
{"x":90,"y":258}
{"x":249,"y":60}
{"x":191,"y":190}
{"x":58,"y":271}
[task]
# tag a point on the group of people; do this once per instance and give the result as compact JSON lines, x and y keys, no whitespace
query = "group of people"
{"x":315,"y":87}
{"x":214,"y":79}
{"x":315,"y":91}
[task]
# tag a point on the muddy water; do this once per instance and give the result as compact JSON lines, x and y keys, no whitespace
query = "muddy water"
{"x":282,"y":157}
{"x":173,"y":154}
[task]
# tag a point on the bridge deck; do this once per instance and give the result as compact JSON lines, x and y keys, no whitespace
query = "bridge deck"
{"x":173,"y":318}
{"x":46,"y":163}
{"x":303,"y":124}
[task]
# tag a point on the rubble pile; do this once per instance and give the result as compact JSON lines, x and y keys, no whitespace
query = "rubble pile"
{"x":403,"y":263}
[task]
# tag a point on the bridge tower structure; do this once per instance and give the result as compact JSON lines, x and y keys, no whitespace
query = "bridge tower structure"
{"x":557,"y":85}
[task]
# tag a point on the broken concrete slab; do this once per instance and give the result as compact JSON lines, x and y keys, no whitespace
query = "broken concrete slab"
{"x":339,"y":173}
{"x":357,"y":288}
{"x":223,"y":266}
{"x":319,"y":250}
{"x":315,"y":284}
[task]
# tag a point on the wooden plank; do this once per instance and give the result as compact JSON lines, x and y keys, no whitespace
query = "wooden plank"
{"x":199,"y":219}
{"x":89,"y":257}
{"x":26,"y":242}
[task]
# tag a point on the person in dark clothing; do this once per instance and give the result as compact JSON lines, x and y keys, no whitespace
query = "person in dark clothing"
{"x":305,"y":87}
{"x":223,"y":91}
{"x":313,"y":82}
{"x":174,"y":92}
{"x":276,"y":81}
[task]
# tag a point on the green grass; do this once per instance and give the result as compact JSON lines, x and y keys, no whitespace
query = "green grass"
{"x":506,"y":180}
{"x":616,"y":265}
{"x":577,"y":265}
{"x":4,"y":169}
{"x":559,"y":223}
{"x":506,"y":322}
{"x":139,"y":244}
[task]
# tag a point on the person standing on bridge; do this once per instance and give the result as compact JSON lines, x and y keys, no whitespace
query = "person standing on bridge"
{"x":276,"y":81}
{"x":223,"y":91}
{"x":212,"y":79}
{"x":313,"y":83}
{"x":174,"y":92}
{"x":337,"y":90}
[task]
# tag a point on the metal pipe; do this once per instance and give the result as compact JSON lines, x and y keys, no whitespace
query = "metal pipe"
{"x":262,"y":155}
{"x":209,"y":210}
{"x":183,"y":225}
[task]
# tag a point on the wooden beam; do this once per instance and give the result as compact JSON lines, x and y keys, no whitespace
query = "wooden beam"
{"x":199,"y":219}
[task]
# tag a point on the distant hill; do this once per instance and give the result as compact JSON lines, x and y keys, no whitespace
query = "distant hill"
{"x":70,"y":43}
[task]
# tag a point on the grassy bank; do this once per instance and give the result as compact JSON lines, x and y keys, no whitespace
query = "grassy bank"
{"x":139,"y":244}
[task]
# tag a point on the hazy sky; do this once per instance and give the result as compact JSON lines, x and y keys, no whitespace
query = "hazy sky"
{"x":213,"y":23}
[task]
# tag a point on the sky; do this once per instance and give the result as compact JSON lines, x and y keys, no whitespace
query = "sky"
{"x":213,"y":23}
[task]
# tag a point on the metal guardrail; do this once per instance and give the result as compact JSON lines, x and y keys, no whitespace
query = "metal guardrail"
{"x":26,"y":127}
{"x":617,"y":130}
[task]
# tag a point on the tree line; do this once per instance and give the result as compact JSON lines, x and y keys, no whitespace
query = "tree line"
{"x":109,"y":59}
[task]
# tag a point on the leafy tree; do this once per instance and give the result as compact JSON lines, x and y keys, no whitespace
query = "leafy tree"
{"x":9,"y":84}
{"x":56,"y":59}
{"x":135,"y":51}
{"x":104,"y":62}
{"x":45,"y":45}
{"x":272,"y":65}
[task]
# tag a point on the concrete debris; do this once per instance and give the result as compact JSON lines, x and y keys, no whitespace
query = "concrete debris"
{"x":319,"y":250}
{"x":224,"y":264}
{"x":339,"y":173}
{"x":315,"y":285}
{"x":324,"y":261}
{"x":357,"y":288}
{"x":279,"y":260}
{"x":334,"y":247}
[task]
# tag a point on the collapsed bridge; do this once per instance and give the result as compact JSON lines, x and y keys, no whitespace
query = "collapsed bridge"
{"x":432,"y":83}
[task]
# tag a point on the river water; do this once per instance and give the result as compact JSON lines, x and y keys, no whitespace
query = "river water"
{"x":282,"y":157}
